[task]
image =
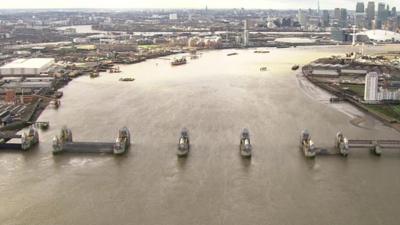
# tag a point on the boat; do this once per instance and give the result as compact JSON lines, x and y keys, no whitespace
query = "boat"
{"x":283,"y":46}
{"x":231,"y":54}
{"x":177,"y":62}
{"x":43,"y":125}
{"x":55,"y":103}
{"x":263,"y":69}
{"x":94,"y":74}
{"x":183,"y":144}
{"x":261,"y":51}
{"x":115,"y":70}
{"x":127,"y":79}
{"x":245,"y":145}
{"x":101,"y":69}
{"x":58,"y":94}
{"x":295,"y":67}
{"x":307,"y":145}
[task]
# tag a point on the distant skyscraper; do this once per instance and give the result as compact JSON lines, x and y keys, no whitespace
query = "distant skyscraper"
{"x":360,"y":7}
{"x":370,"y":14}
{"x":325,"y":18}
{"x":371,"y":87}
{"x":336,"y":14}
{"x":394,"y":12}
{"x":340,"y":16}
{"x":360,"y":15}
{"x":387,"y":14}
{"x":343,"y":17}
{"x":381,"y":17}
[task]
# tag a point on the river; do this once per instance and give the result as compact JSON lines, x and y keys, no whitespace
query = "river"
{"x":215,"y":97}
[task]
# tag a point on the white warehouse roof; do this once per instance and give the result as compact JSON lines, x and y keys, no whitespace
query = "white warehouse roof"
{"x":381,"y":35}
{"x":325,"y":72}
{"x":29,"y":63}
{"x":32,"y":66}
{"x":295,"y":40}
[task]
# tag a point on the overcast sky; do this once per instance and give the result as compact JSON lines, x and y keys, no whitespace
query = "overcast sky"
{"x":264,"y":4}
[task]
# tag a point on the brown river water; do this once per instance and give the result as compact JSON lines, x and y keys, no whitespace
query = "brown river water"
{"x":215,"y":97}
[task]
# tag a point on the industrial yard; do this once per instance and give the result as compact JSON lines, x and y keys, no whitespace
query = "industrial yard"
{"x":347,"y":77}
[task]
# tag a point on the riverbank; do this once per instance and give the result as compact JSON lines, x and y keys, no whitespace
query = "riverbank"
{"x":215,"y":97}
{"x":370,"y":109}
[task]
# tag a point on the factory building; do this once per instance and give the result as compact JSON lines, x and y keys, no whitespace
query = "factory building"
{"x":375,"y":94}
{"x":27,"y":67}
{"x":371,"y":87}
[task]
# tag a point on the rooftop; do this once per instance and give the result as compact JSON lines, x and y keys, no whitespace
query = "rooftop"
{"x":28,"y":63}
{"x":381,"y":35}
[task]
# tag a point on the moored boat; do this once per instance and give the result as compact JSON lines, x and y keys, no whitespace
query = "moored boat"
{"x":177,"y":62}
{"x":43,"y":125}
{"x":94,"y":74}
{"x":127,"y":79}
{"x":295,"y":67}
{"x":261,"y":51}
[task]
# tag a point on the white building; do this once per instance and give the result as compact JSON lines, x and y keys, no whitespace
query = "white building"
{"x":173,"y":16}
{"x":22,"y":67}
{"x":371,"y":87}
{"x":303,"y":18}
{"x":373,"y":93}
{"x":381,"y":35}
{"x":388,"y":95}
{"x":246,"y":33}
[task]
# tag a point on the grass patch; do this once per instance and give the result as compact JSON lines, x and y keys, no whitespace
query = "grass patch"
{"x":391,"y":111}
{"x":396,"y":108}
{"x":357,"y":89}
{"x":149,"y":46}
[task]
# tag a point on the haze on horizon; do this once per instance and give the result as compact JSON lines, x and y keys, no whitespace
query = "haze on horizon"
{"x":140,"y":4}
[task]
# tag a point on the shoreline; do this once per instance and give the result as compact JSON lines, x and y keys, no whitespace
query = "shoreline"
{"x":382,"y":118}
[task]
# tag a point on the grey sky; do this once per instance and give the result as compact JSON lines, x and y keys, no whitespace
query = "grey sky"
{"x":265,"y":4}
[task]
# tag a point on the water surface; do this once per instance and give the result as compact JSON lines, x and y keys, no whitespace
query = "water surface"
{"x":215,"y":97}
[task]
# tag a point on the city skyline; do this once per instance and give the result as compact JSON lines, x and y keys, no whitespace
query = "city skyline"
{"x":135,"y":4}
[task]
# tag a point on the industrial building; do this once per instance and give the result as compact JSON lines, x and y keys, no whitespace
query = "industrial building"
{"x":26,"y":67}
{"x":371,"y":87}
{"x":375,"y":94}
{"x":325,"y":73}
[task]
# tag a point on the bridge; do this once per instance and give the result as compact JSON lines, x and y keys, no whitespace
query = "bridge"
{"x":344,"y":145}
{"x":64,"y":143}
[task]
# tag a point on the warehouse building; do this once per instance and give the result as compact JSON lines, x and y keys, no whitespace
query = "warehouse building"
{"x":26,"y":67}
